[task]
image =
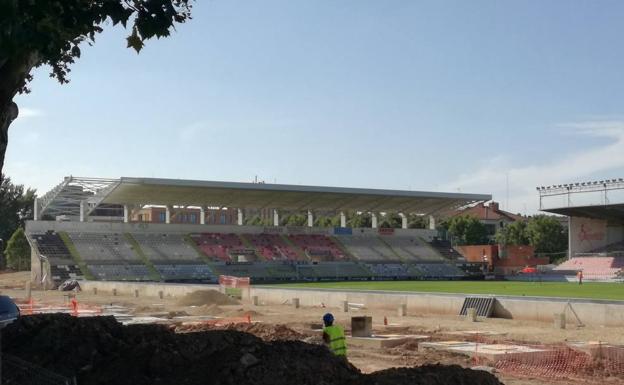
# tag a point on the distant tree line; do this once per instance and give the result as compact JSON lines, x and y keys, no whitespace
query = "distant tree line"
{"x":353,"y":219}
{"x":544,"y":233}
{"x":16,"y":206}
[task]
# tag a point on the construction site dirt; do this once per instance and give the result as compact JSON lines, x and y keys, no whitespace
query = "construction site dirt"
{"x":285,"y":345}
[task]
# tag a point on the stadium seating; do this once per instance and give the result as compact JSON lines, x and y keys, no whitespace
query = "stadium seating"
{"x":367,"y":248}
{"x":264,"y":271}
{"x":439,"y":270}
{"x":218,"y":246}
{"x":273,"y":247}
{"x":52,"y":247}
{"x":594,"y":268}
{"x":392,"y":270}
{"x":413,"y":249}
{"x":116,"y":272}
{"x":186,"y":272}
{"x":333,"y":270}
{"x":445,"y":249}
{"x":104,"y":247}
{"x":272,"y":257}
{"x":170,"y":248}
{"x":318,"y":247}
{"x":613,"y":247}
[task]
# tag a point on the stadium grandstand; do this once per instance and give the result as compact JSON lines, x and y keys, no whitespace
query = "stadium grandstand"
{"x":595,"y":212}
{"x":145,"y":229}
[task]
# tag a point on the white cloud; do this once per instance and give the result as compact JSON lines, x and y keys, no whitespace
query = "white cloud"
{"x":26,"y":112}
{"x":574,"y":167}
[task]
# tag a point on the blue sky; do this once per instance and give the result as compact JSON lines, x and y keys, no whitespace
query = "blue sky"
{"x":421,"y":95}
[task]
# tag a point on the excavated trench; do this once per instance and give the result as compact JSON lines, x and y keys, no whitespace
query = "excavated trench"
{"x":99,"y":350}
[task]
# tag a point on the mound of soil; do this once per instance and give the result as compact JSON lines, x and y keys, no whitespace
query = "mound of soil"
{"x":99,"y":350}
{"x":207,"y":297}
{"x":267,"y":332}
{"x":431,"y":375}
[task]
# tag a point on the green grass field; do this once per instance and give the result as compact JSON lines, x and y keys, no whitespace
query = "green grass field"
{"x":611,"y":291}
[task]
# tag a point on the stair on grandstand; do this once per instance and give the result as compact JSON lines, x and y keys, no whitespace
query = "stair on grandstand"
{"x":367,"y":248}
{"x":445,"y":249}
{"x":412,"y":249}
{"x":62,"y":266}
{"x":110,"y":257}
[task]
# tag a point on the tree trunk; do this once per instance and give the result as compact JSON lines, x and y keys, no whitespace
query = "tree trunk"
{"x":8,"y":113}
{"x":13,"y":75}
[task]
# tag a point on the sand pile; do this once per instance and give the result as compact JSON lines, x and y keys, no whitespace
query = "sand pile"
{"x":99,"y":350}
{"x":206,"y":297}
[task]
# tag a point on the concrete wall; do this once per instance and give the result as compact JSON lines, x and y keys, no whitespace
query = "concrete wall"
{"x":590,"y":312}
{"x":587,"y":234}
{"x":146,"y":289}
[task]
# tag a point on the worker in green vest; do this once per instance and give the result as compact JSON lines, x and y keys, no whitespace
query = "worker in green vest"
{"x":334,"y":336}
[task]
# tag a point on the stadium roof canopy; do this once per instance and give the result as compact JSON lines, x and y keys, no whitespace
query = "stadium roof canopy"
{"x":66,"y":197}
{"x":602,"y":199}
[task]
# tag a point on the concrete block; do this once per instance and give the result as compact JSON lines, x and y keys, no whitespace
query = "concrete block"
{"x":160,"y":294}
{"x":361,"y":326}
{"x":345,"y":306}
{"x":95,"y":291}
{"x":384,"y":340}
{"x":295,"y":302}
{"x":402,"y":310}
{"x":136,"y":293}
{"x":114,"y":291}
{"x":491,"y":352}
{"x":471,"y":314}
{"x":255,"y":300}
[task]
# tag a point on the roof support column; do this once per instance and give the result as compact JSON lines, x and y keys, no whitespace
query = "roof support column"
{"x":83,"y":211}
{"x":275,"y":217}
{"x":403,"y":221}
{"x":343,"y":219}
{"x":126,"y":213}
{"x":36,"y":209}
{"x":310,"y":218}
{"x":432,"y":224}
{"x":374,"y":220}
{"x":168,"y":214}
{"x":202,"y":215}
{"x":240,"y":217}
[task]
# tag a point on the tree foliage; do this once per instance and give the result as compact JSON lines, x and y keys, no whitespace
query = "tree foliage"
{"x":16,"y":206}
{"x":547,"y":235}
{"x":17,"y":251}
{"x":360,"y":220}
{"x":391,"y":220}
{"x":36,"y":33}
{"x":513,"y":234}
{"x":417,"y":221}
{"x":544,"y":233}
{"x":327,"y":221}
{"x":467,"y":230}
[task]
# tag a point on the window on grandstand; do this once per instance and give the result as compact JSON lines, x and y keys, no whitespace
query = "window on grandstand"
{"x":193,"y":218}
{"x":161,"y":217}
